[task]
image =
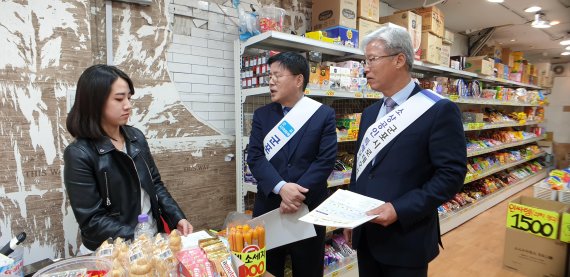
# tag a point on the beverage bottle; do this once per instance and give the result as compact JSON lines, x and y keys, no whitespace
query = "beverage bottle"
{"x":144,"y":227}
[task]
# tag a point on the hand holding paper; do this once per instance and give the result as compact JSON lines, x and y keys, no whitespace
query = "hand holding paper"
{"x":343,"y":209}
{"x":386,"y":214}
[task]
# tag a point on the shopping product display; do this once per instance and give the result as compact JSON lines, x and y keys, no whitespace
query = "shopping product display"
{"x":477,"y":190}
{"x":337,"y":254}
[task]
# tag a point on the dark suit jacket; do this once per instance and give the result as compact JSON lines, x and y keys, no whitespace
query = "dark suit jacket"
{"x":420,"y":169}
{"x":307,"y":159}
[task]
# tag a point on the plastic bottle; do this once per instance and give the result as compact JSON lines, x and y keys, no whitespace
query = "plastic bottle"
{"x":144,"y":227}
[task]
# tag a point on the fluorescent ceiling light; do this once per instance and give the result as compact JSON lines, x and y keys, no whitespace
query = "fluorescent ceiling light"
{"x":539,"y":22}
{"x":513,"y":40}
{"x":568,"y":48}
{"x":565,"y":54}
{"x":555,"y":22}
{"x":533,"y":9}
{"x":565,"y":42}
{"x":496,"y":1}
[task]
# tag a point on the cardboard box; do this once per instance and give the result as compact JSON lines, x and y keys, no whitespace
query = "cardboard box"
{"x":348,"y":37}
{"x":432,"y":20}
{"x":561,"y":154}
{"x":507,"y":57}
{"x":534,"y":256}
{"x":365,"y":27}
{"x":517,"y":77}
{"x":537,"y":252}
{"x":369,"y":9}
{"x":448,"y":37}
{"x":480,"y":65}
{"x":330,"y":13}
{"x":409,"y":20}
{"x":430,"y":48}
{"x":445,"y":55}
{"x":500,"y":69}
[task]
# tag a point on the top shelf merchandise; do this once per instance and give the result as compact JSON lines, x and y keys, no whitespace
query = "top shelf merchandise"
{"x":337,"y":80}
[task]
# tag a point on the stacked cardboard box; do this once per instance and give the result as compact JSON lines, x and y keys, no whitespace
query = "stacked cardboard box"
{"x":338,"y":19}
{"x":412,"y":22}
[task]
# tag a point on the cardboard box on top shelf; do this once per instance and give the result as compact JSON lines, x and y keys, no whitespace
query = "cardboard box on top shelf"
{"x":365,"y":27}
{"x":494,"y":52}
{"x":500,"y":70}
{"x":431,"y":48}
{"x":507,"y":57}
{"x":412,"y":22}
{"x":480,"y":65}
{"x":330,"y":13}
{"x":369,"y":9}
{"x":539,"y":251}
{"x":445,"y":55}
{"x":433,"y":20}
{"x":448,"y":37}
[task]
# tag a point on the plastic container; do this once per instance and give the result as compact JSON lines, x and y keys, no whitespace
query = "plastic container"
{"x":93,"y":265}
{"x":144,"y":227}
{"x":271,"y":19}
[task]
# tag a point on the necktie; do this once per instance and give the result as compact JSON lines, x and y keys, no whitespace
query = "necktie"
{"x":390,"y":104}
{"x":286,"y":110}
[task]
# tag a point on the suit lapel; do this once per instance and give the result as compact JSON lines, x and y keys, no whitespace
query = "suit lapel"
{"x":382,"y":154}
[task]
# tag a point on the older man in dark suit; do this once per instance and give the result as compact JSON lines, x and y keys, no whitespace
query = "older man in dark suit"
{"x":418,"y":169}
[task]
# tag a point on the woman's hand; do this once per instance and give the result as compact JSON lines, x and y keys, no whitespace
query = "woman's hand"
{"x":184,"y":227}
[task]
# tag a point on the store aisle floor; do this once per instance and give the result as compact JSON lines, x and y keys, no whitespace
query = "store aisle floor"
{"x":476,"y":247}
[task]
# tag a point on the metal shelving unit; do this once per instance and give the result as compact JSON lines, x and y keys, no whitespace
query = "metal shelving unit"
{"x":501,"y":168}
{"x":504,"y":146}
{"x":449,"y":222}
{"x":285,"y":42}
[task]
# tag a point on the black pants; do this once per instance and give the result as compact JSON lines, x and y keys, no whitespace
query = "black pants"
{"x":307,"y":256}
{"x":370,"y":267}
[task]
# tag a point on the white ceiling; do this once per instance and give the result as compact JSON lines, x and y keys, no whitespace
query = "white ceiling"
{"x":539,"y":45}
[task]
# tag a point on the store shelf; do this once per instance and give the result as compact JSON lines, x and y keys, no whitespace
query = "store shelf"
{"x":449,"y":222}
{"x":264,"y":91}
{"x":421,"y":66}
{"x":287,"y":42}
{"x":481,"y":101}
{"x":249,"y":187}
{"x":502,"y":167}
{"x":503,"y":146}
{"x":339,"y":182}
{"x":349,"y":270}
{"x":483,"y":126}
{"x":508,"y":82}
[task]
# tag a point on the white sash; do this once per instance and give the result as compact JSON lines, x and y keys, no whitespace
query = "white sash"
{"x":384,"y":130}
{"x":289,"y":125}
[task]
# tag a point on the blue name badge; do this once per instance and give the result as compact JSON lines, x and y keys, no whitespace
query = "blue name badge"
{"x":286,"y":128}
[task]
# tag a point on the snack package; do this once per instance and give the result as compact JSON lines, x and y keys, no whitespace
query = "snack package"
{"x":247,"y":243}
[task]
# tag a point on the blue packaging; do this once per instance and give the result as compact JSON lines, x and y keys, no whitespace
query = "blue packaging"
{"x":348,"y":37}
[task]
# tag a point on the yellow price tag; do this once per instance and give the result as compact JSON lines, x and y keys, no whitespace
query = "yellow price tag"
{"x":335,"y":274}
{"x":565,"y":228}
{"x":377,"y":95}
{"x":307,"y":91}
{"x":522,"y":122}
{"x":346,"y":181}
{"x":369,"y":95}
{"x":539,"y":222}
{"x":330,"y":93}
{"x":349,"y":267}
{"x":358,"y":94}
{"x":475,"y":126}
{"x":454,"y":97}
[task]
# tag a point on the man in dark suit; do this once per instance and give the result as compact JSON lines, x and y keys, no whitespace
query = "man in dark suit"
{"x":421,"y":168}
{"x":298,"y":172}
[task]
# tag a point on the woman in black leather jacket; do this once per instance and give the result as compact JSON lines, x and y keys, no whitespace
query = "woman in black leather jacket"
{"x":109,"y":174}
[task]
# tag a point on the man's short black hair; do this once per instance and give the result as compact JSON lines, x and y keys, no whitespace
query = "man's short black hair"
{"x":93,"y":89}
{"x":293,"y":62}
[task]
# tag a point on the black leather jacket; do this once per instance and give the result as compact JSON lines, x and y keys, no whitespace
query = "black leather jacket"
{"x":103,"y":185}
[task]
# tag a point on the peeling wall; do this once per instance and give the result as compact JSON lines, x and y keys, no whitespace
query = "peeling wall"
{"x":46,"y":45}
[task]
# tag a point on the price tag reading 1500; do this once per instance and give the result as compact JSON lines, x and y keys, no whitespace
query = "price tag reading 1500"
{"x":543,"y":223}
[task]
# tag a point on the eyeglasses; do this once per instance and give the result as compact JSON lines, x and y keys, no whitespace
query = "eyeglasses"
{"x":371,"y":60}
{"x":277,"y":77}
